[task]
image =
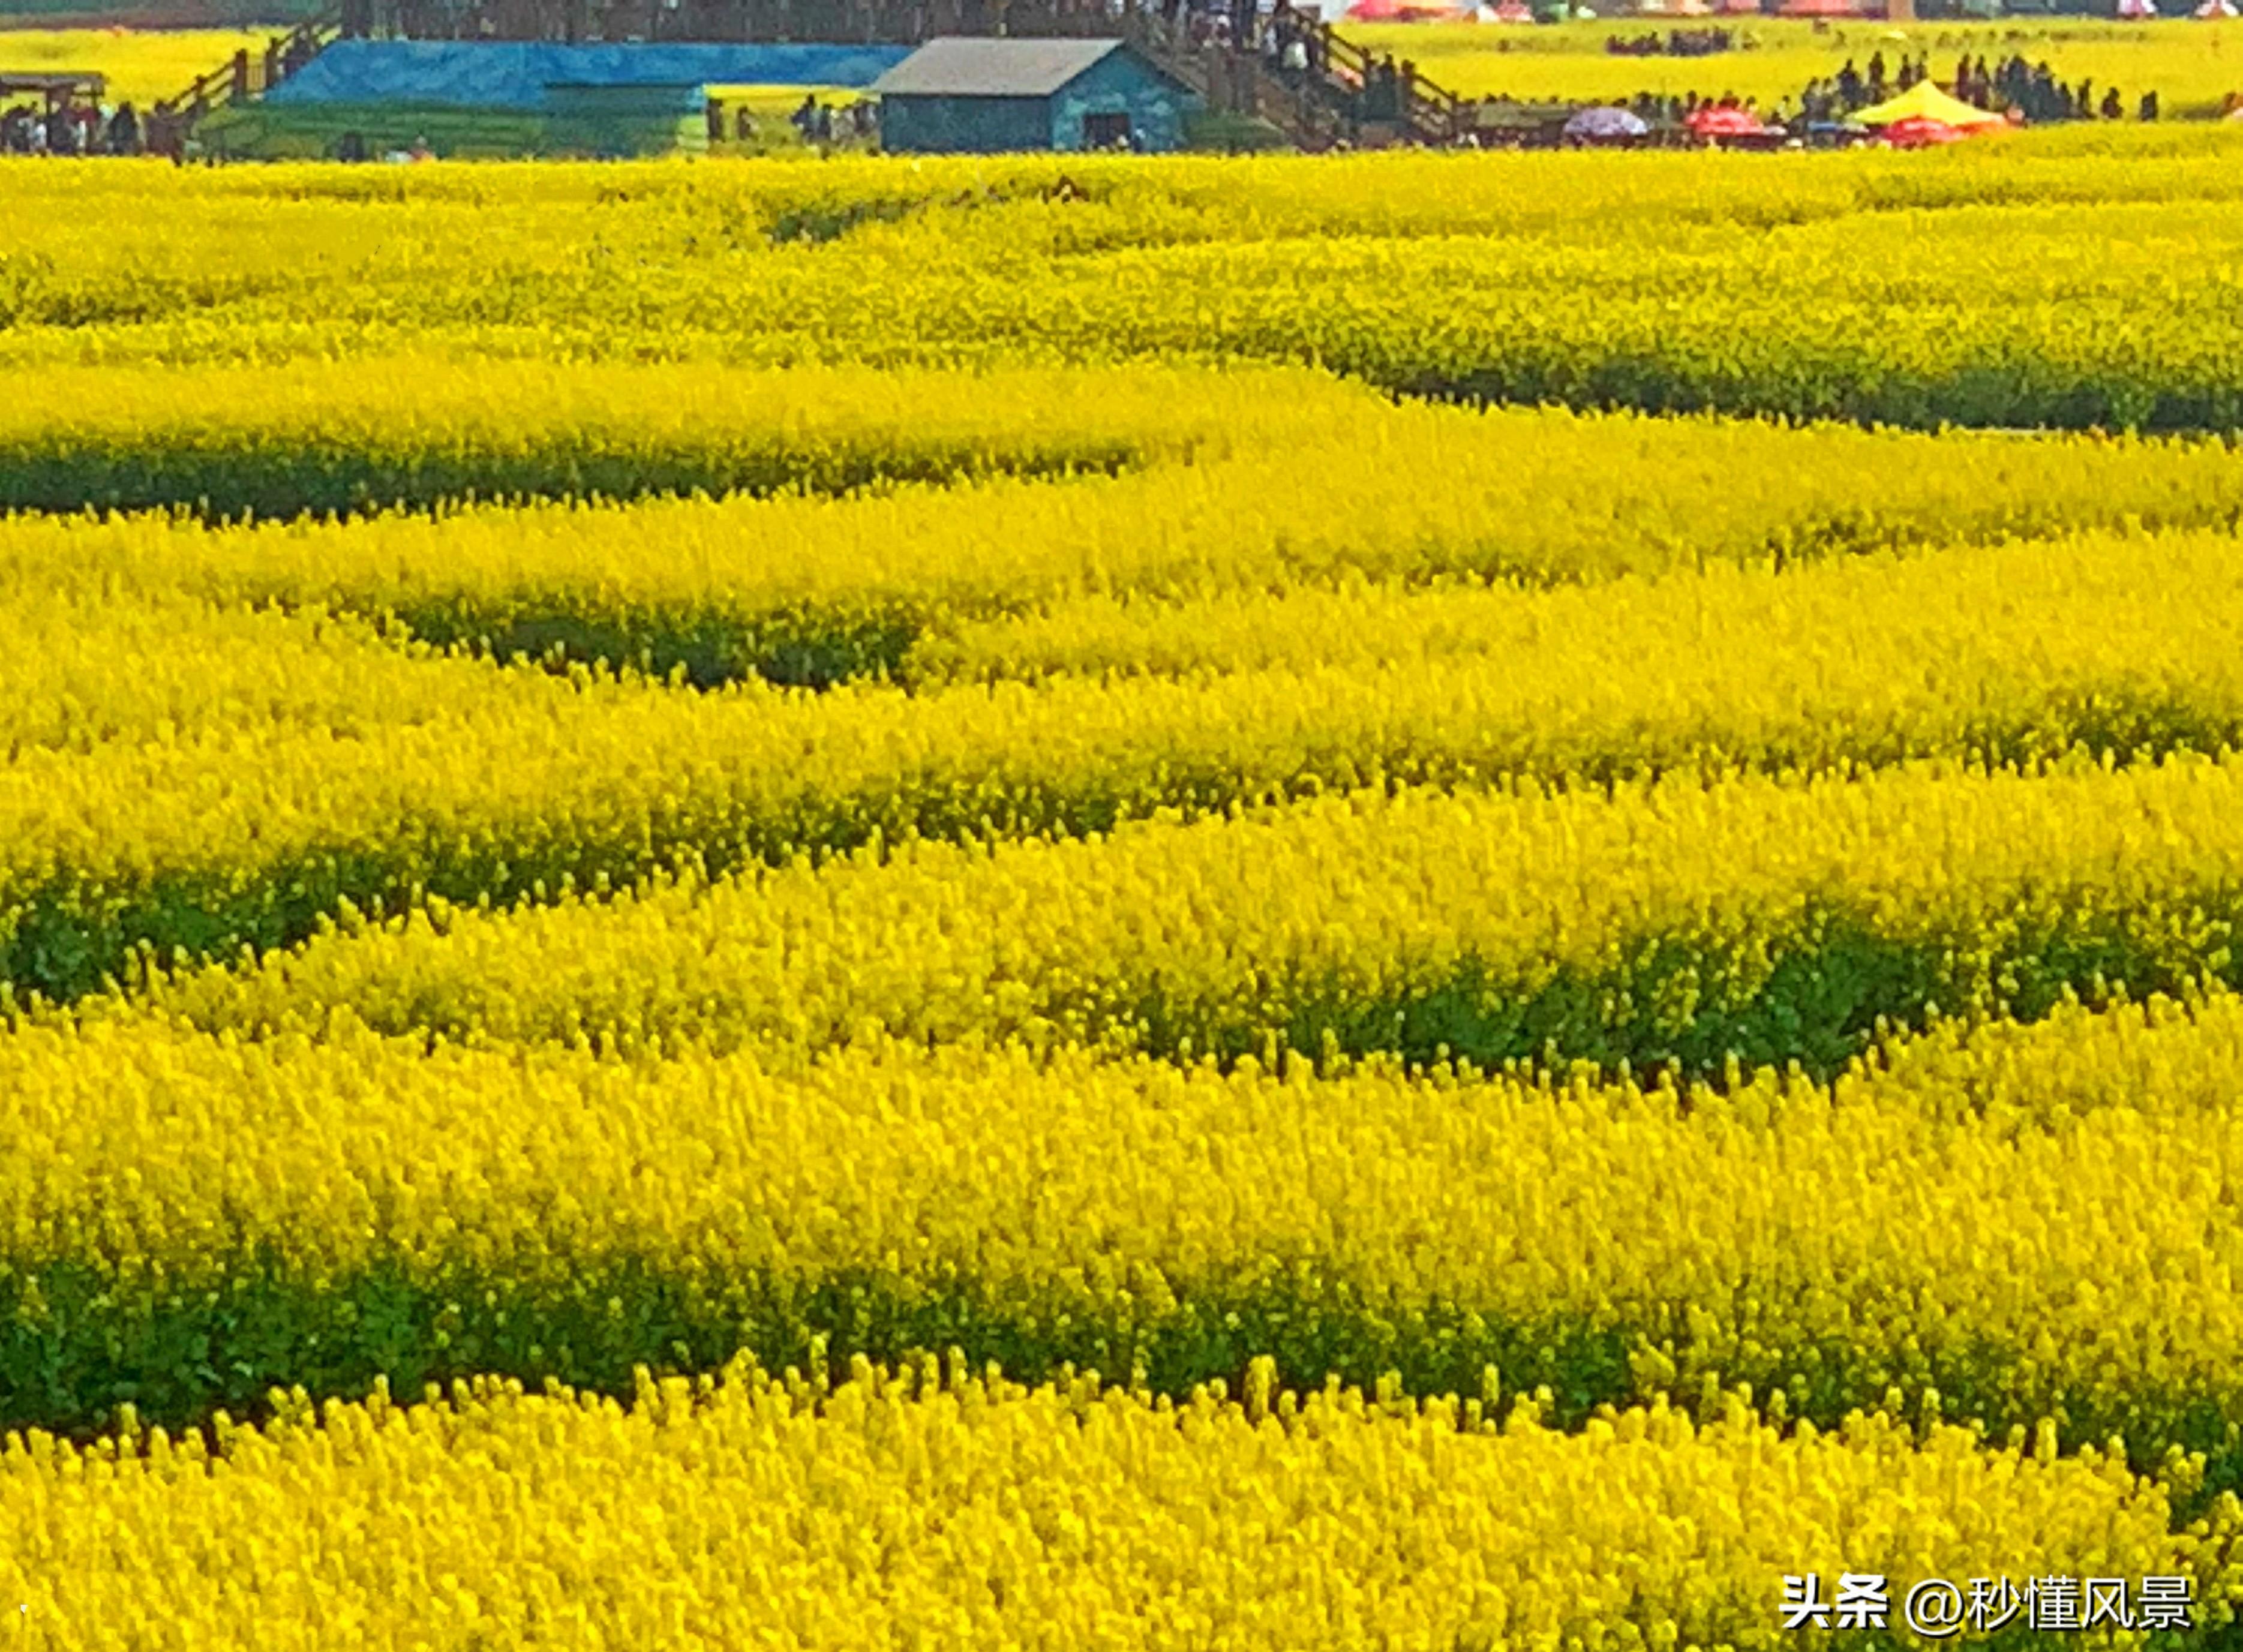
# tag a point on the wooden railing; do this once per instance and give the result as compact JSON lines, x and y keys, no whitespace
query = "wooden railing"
{"x":247,"y":75}
{"x":1300,"y":74}
{"x":1394,"y":97}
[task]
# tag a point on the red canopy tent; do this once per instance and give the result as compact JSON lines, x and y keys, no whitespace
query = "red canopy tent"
{"x":1399,"y":10}
{"x":1710,"y":120}
{"x":1919,"y":133}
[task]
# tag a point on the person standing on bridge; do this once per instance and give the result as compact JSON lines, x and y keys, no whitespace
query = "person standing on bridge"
{"x":1382,"y":91}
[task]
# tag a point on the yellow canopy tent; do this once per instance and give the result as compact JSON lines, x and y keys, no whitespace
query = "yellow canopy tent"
{"x":1924,"y":101}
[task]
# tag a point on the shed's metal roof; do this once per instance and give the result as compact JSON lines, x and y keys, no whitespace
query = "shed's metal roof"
{"x":970,"y":66}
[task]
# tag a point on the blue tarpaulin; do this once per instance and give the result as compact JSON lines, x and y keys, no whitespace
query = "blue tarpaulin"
{"x":514,"y":75}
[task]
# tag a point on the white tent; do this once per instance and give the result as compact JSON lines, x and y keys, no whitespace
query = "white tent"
{"x":2212,"y":8}
{"x":2138,"y":8}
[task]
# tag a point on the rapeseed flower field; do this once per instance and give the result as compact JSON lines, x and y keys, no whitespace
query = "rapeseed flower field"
{"x":1387,"y":900}
{"x":2193,"y":66}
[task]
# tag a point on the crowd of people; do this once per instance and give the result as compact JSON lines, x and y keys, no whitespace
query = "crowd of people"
{"x":1296,"y":46}
{"x":1656,"y":111}
{"x":828,"y":123}
{"x":1249,"y":24}
{"x":70,"y":128}
{"x":1676,"y":42}
{"x":1299,"y":49}
{"x":1835,"y":96}
{"x":2030,"y":89}
{"x":1290,"y":44}
{"x":2033,"y":90}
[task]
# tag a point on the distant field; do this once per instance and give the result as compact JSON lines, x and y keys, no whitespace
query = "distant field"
{"x":141,"y":66}
{"x":2189,"y":65}
{"x":154,"y":14}
{"x":772,"y":109}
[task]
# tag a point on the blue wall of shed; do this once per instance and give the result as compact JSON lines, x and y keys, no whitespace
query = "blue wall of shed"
{"x":498,"y":74}
{"x":964,"y":125}
{"x":1118,"y":84}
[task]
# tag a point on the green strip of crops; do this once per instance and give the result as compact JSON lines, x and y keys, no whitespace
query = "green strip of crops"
{"x":813,"y":590}
{"x":73,"y":1353}
{"x":321,"y":1215}
{"x":504,"y":786}
{"x":1678,"y":923}
{"x":414,"y":432}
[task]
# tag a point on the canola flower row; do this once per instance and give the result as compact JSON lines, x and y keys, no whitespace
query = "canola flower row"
{"x":726,"y":589}
{"x":84,"y":670}
{"x":437,"y":224}
{"x":460,"y":781}
{"x":355,"y":436}
{"x":1687,"y":920}
{"x":2025,"y":1226}
{"x":2100,"y":621}
{"x":389,"y":234}
{"x":1713,"y":280}
{"x":902,"y":1508}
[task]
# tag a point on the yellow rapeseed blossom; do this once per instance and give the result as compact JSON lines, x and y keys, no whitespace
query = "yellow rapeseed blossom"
{"x":2031,"y":1223}
{"x":1758,"y":917}
{"x":1211,"y":928}
{"x":2013,"y":616}
{"x":458,"y":780}
{"x":890,"y":1511}
{"x":1538,"y":496}
{"x":83,"y":670}
{"x":231,"y":440}
{"x":2047,"y":282}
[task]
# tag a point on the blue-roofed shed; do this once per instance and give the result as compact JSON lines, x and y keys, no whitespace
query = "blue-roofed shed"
{"x":974,"y":96}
